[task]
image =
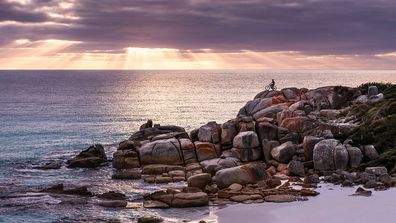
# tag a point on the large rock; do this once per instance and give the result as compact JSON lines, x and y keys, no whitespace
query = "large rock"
{"x":247,"y":154}
{"x":199,"y":180}
{"x":213,"y":165}
{"x":340,"y":157}
{"x":372,"y":90}
{"x":148,"y":133}
{"x":296,"y":168}
{"x":255,"y":106}
{"x":370,"y":152}
{"x":298,"y":124}
{"x":89,"y":158}
{"x":267,"y":148}
{"x":355,"y":156}
{"x":205,"y":151}
{"x":270,"y":112}
{"x":309,"y":143}
{"x":330,"y":154}
{"x":161,"y":152}
{"x":246,"y":140}
{"x":188,"y":150}
{"x":228,"y":132}
{"x":266,"y":130}
{"x":183,"y":200}
{"x":284,"y":152}
{"x":210,"y":132}
{"x":125,"y":159}
{"x":244,"y":174}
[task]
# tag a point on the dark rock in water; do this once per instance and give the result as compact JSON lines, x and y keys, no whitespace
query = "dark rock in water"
{"x":112,"y":195}
{"x":59,"y":189}
{"x":155,"y":204}
{"x":89,"y":158}
{"x":113,"y":204}
{"x":362,"y":192}
{"x":51,"y":166}
{"x":183,"y":200}
{"x":150,"y":219}
{"x":128,"y":174}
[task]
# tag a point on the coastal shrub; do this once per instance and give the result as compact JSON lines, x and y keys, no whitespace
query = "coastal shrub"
{"x":381,"y":86}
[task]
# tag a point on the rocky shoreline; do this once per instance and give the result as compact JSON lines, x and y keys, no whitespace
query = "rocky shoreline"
{"x":278,"y":148}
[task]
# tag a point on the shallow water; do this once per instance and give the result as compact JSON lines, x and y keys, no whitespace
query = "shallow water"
{"x":52,"y":115}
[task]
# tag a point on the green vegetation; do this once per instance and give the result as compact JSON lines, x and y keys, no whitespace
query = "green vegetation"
{"x":378,"y":125}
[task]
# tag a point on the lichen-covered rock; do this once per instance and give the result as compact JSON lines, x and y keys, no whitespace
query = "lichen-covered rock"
{"x":284,"y":152}
{"x":298,"y":124}
{"x":205,"y":151}
{"x":188,"y":149}
{"x":89,"y":158}
{"x":330,"y":154}
{"x":165,"y":151}
{"x":244,"y":174}
{"x":246,"y":140}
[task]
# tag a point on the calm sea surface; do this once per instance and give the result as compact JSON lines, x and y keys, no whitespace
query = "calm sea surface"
{"x":51,"y":115}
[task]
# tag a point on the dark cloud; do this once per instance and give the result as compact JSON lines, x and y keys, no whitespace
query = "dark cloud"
{"x":310,"y":26}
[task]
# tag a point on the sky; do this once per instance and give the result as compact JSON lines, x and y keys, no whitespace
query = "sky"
{"x":197,"y":34}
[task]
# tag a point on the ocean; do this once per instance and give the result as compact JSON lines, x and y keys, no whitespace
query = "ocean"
{"x":54,"y":114}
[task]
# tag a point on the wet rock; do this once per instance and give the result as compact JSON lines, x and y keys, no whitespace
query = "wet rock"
{"x":59,"y":188}
{"x":150,"y":219}
{"x":51,"y":166}
{"x":355,"y":156}
{"x":113,"y":204}
{"x":308,"y":193}
{"x":161,"y":152}
{"x":244,"y":174}
{"x":370,"y":152}
{"x":112,"y":195}
{"x":156,"y":169}
{"x":309,"y":143}
{"x":154,"y":204}
{"x":244,"y":140}
{"x":280,"y":198}
{"x":362,"y":192}
{"x":205,"y":151}
{"x":284,"y":152}
{"x":199,"y":180}
{"x":378,"y":171}
{"x":89,"y":158}
{"x":210,"y":132}
{"x":296,"y":168}
{"x":128,"y":174}
{"x":182,"y":200}
{"x":242,"y":198}
{"x":266,"y":130}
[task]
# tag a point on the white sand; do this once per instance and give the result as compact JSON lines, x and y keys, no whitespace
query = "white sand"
{"x":331,"y":206}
